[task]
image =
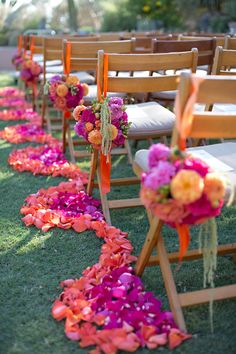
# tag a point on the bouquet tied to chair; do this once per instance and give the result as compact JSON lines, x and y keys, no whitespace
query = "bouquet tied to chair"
{"x":182,"y":190}
{"x":65,"y":92}
{"x":103,"y":125}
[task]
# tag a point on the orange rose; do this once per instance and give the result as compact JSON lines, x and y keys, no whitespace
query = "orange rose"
{"x":95,"y":137}
{"x":77,"y":112}
{"x":89,"y":126}
{"x":72,"y":80}
{"x":85,"y":89}
{"x":187,"y":186}
{"x":62,"y":90}
{"x":214,"y":187}
{"x":113,"y":130}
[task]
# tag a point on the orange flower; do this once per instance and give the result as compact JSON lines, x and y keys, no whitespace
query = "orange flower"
{"x":187,"y":186}
{"x":85,"y":89}
{"x":72,"y":80}
{"x":77,"y":112}
{"x":114,"y":131}
{"x":95,"y":137}
{"x":89,"y":126}
{"x":214,"y":187}
{"x":62,"y":90}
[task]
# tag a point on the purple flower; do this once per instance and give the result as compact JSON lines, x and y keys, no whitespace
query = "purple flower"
{"x":120,"y":139}
{"x":88,"y":116}
{"x":157,"y":152}
{"x":80,"y":130}
{"x":116,"y":101}
{"x":159,"y":176}
{"x":55,"y":78}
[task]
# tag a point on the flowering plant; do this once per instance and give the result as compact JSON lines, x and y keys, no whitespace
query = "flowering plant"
{"x":180,"y":188}
{"x":104,"y":124}
{"x":30,"y":71}
{"x":65,"y":92}
{"x":17,"y":60}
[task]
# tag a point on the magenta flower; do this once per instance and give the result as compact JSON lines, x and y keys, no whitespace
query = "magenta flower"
{"x":157,"y":152}
{"x":160,"y":175}
{"x":197,"y":165}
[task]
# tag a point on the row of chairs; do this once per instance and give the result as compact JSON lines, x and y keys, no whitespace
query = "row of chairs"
{"x":212,"y":125}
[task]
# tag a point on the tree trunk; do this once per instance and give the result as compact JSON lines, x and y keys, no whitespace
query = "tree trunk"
{"x":72,"y":10}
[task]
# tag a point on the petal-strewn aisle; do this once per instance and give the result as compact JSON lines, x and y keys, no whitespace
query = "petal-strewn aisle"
{"x":107,"y":307}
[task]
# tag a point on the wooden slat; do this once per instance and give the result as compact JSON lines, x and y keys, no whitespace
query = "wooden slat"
{"x":206,"y":295}
{"x":211,"y":90}
{"x":145,"y":84}
{"x":192,"y":255}
{"x":152,"y":62}
{"x":124,"y":203}
{"x":214,"y":125}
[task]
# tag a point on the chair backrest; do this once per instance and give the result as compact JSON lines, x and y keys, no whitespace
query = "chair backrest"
{"x":219,"y":39}
{"x":230,"y":43}
{"x":224,"y":60}
{"x":36,"y":45}
{"x":83,"y":55}
{"x":206,"y":48}
{"x":142,"y":62}
{"x":52,"y":50}
{"x":213,"y":89}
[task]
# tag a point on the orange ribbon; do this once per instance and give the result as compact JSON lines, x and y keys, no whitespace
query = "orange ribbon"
{"x":67,"y":59}
{"x":20,"y":43}
{"x":32,"y":47}
{"x":184,"y":239}
{"x":185,"y":119}
{"x":105,"y":161}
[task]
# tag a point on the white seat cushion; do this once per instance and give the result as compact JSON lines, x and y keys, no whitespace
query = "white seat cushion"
{"x":150,"y":119}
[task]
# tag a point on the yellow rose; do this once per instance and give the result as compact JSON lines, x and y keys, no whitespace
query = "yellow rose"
{"x":187,"y":186}
{"x":214,"y":187}
{"x":95,"y":137}
{"x":72,"y":80}
{"x":62,"y":90}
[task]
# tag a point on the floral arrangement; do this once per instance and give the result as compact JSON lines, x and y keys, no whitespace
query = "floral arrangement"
{"x":65,"y":92}
{"x":22,"y":133}
{"x":104,"y":124}
{"x":30,"y":71}
{"x":17,"y":60}
{"x":180,"y":188}
{"x":45,"y":160}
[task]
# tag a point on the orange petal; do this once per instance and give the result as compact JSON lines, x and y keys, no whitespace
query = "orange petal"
{"x":59,"y":310}
{"x":176,"y":337}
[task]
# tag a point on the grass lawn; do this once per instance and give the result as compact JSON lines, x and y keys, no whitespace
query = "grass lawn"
{"x":33,"y":263}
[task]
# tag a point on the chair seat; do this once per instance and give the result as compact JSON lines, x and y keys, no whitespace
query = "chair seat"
{"x":224,"y":152}
{"x":149,"y":119}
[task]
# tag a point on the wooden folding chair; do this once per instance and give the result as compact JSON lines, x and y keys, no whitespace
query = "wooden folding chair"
{"x":149,"y":119}
{"x":213,"y":125}
{"x":230,"y":43}
{"x":83,"y":56}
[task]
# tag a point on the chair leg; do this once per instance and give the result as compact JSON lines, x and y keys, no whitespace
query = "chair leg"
{"x":149,"y":244}
{"x":172,"y":294}
{"x":70,"y":145}
{"x":64,"y":132}
{"x":93,"y":168}
{"x":129,"y":153}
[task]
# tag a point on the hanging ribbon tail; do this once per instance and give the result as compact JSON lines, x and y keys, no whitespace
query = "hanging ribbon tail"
{"x":105,"y":168}
{"x":184,"y":239}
